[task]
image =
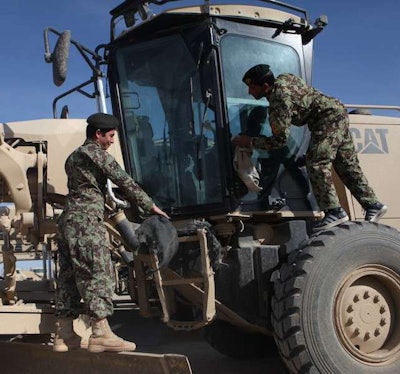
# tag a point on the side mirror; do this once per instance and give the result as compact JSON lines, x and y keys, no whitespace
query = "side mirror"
{"x":60,"y":58}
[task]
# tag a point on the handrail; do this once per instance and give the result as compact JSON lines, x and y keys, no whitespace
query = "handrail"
{"x":366,"y":106}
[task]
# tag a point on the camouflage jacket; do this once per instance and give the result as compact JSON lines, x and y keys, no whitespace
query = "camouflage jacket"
{"x":292,"y":102}
{"x":88,"y":169}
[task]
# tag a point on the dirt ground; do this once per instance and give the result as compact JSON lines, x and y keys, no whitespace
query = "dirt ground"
{"x":153,"y":336}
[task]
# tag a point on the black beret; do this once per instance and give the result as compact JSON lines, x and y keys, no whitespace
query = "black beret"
{"x":103,"y":121}
{"x":257,"y":74}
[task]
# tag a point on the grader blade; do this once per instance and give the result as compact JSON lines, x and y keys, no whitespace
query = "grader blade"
{"x":30,"y":358}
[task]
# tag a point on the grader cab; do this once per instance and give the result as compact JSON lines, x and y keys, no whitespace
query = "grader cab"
{"x":248,"y":270}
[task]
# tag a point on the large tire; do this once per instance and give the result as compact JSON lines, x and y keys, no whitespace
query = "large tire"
{"x":337,"y":302}
{"x":234,"y":342}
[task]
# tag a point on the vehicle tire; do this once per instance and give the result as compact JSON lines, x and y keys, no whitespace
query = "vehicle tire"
{"x":337,"y":301}
{"x":234,"y":342}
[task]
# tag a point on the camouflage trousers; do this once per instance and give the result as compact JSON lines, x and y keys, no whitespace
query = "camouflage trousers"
{"x":331,"y":145}
{"x":85,"y":268}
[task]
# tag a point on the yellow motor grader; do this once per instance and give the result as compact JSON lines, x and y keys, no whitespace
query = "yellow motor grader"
{"x":249,"y":271}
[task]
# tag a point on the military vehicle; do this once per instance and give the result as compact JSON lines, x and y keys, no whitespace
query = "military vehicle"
{"x":249,"y":271}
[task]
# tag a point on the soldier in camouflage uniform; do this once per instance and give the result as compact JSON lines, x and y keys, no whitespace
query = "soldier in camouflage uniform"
{"x":292,"y":102}
{"x":84,"y":256}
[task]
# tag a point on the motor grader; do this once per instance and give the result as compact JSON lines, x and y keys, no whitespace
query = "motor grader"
{"x":249,"y":271}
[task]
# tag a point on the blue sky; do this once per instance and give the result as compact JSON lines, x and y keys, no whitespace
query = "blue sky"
{"x":356,"y":57}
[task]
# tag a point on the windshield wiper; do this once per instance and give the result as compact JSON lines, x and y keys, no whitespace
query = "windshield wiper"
{"x":284,"y":27}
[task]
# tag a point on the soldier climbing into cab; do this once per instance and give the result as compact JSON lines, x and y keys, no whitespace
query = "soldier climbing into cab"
{"x":291,"y":101}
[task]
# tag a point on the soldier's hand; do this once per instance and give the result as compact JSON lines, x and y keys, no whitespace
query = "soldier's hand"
{"x":242,"y":141}
{"x":155,"y":209}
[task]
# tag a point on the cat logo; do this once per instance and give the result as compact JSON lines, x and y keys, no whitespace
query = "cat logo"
{"x":370,"y":141}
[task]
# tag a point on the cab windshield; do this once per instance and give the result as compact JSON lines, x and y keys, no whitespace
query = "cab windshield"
{"x":250,"y":116}
{"x":169,"y":129}
{"x":177,"y":120}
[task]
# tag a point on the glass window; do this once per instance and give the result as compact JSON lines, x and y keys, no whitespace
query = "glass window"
{"x":170,"y":129}
{"x":248,"y":115}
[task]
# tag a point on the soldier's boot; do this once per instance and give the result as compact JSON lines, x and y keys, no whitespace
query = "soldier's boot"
{"x":103,"y":339}
{"x":65,"y":337}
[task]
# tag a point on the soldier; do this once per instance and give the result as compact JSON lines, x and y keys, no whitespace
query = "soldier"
{"x":291,"y":101}
{"x":85,"y":262}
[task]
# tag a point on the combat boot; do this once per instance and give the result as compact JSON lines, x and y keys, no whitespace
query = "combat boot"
{"x":103,"y":339}
{"x":65,"y":337}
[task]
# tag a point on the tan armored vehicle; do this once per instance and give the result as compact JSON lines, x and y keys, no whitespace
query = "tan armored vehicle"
{"x":248,"y":271}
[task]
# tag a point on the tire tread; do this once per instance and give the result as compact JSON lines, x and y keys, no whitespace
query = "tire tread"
{"x":288,"y":287}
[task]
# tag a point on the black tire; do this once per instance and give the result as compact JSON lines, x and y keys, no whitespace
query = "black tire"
{"x":234,"y":342}
{"x":337,"y":302}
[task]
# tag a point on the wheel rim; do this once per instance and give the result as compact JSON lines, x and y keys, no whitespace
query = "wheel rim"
{"x":366,"y":314}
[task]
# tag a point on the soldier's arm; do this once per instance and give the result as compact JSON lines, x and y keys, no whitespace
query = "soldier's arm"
{"x":280,"y":116}
{"x":124,"y":181}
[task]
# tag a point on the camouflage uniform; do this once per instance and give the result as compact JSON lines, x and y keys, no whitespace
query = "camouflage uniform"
{"x":292,"y":102}
{"x":85,"y":263}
